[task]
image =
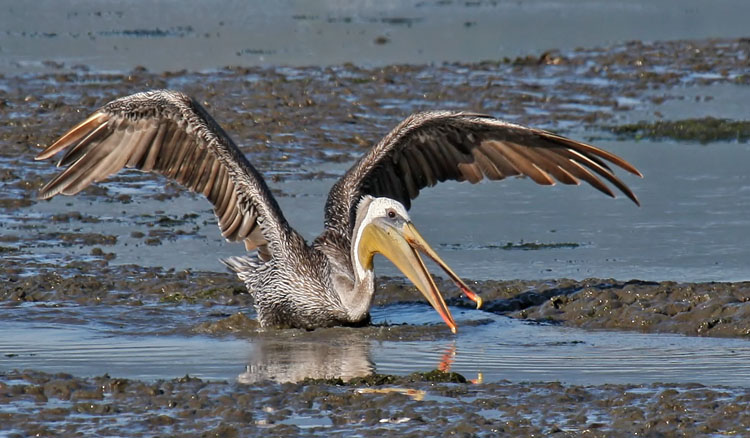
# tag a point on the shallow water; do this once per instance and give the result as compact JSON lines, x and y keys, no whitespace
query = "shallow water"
{"x":691,"y":226}
{"x":498,"y":349}
{"x":194,"y":35}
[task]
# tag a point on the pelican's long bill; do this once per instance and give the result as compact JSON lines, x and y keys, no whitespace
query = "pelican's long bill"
{"x":401,"y":245}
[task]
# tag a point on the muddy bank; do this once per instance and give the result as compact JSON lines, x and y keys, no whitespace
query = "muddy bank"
{"x":698,"y":309}
{"x":703,"y":309}
{"x":39,"y":404}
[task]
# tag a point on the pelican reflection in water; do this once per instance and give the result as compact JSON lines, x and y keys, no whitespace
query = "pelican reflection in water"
{"x":331,"y":281}
{"x":335,"y":353}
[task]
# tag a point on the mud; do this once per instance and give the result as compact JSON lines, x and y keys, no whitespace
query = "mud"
{"x":261,"y":107}
{"x":703,"y":309}
{"x":120,"y":285}
{"x":39,"y":404}
{"x":698,"y":309}
{"x":284,"y":118}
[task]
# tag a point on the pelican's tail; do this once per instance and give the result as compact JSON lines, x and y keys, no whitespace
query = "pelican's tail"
{"x":243,"y":266}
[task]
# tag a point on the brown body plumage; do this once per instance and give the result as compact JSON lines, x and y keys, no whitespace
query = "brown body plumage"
{"x":329,"y":282}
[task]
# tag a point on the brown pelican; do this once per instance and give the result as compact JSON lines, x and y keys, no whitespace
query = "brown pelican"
{"x":331,"y":281}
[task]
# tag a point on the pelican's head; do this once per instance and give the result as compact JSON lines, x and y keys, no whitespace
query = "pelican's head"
{"x":383,"y":226}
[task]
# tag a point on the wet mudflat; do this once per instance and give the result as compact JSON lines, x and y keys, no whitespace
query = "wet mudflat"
{"x":626,"y":321}
{"x":109,"y":344}
{"x":61,"y":404}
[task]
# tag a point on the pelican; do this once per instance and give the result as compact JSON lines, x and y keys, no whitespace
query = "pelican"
{"x":331,"y":281}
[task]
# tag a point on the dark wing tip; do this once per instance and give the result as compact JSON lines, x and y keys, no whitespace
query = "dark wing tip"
{"x":592,"y":152}
{"x":629,"y":193}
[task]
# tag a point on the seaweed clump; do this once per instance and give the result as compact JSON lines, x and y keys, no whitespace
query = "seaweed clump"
{"x":704,"y":130}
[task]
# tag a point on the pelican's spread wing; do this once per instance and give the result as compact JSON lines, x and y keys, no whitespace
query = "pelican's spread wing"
{"x":169,"y":133}
{"x":436,"y":146}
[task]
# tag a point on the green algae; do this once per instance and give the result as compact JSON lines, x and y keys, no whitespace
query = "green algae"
{"x":525,"y":246}
{"x":213,"y":293}
{"x":438,"y":376}
{"x":703,"y":130}
{"x":530,"y":246}
{"x":375,"y":379}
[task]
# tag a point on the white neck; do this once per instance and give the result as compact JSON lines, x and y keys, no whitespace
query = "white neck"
{"x":358,"y":297}
{"x":357,"y":300}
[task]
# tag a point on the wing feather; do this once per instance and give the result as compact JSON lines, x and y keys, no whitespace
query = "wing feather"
{"x":141,"y":144}
{"x":436,"y":146}
{"x":545,"y":164}
{"x":586,"y":175}
{"x":491,"y":168}
{"x":527,"y":167}
{"x":427,"y":171}
{"x":469,"y":172}
{"x":163,"y":131}
{"x":169,"y":133}
{"x":407,"y":174}
{"x":210,"y":181}
{"x":78,"y":132}
{"x":81,"y":148}
{"x":502,"y":165}
{"x":218,"y":191}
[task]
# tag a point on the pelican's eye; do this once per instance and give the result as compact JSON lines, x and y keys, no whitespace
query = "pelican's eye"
{"x":391,"y":213}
